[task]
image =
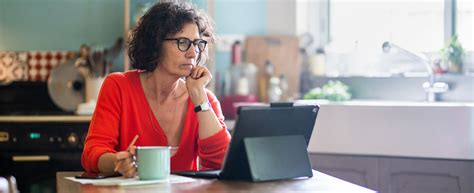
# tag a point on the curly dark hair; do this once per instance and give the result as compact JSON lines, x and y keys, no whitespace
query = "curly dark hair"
{"x":159,"y":22}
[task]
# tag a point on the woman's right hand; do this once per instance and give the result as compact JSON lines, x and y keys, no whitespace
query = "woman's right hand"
{"x":125,"y":163}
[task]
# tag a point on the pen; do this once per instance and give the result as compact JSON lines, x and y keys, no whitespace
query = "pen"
{"x":128,"y":149}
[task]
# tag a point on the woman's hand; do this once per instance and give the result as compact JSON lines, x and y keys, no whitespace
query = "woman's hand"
{"x":199,"y":77}
{"x":196,"y":82}
{"x":125,"y":163}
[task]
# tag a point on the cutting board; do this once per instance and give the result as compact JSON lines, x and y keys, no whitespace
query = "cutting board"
{"x":283,"y":52}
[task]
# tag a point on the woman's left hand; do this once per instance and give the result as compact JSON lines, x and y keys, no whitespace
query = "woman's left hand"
{"x":199,"y":78}
{"x":196,"y":82}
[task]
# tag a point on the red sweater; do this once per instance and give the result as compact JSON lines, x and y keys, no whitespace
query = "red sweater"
{"x":122,"y":111}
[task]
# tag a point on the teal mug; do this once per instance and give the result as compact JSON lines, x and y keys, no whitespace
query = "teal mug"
{"x":153,"y":162}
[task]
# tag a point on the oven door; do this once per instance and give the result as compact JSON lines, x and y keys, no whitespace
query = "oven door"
{"x":34,"y":151}
{"x":36,"y":172}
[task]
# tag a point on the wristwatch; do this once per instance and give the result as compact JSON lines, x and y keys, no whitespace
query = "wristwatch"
{"x":205,"y":106}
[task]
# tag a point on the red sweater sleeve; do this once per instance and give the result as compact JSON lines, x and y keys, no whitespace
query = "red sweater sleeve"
{"x":103,"y":129}
{"x":212,"y":149}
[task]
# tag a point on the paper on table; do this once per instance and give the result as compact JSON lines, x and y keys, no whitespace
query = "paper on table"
{"x":121,"y":181}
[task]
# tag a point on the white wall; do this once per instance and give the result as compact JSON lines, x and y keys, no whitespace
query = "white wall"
{"x":281,"y":17}
{"x":297,"y":17}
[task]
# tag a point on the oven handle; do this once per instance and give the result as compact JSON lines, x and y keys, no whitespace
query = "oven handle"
{"x":30,"y":158}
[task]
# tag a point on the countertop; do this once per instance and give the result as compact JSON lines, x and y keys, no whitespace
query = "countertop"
{"x":44,"y":118}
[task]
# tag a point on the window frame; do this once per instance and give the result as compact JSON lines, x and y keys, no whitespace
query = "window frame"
{"x":321,"y":27}
{"x":449,"y":20}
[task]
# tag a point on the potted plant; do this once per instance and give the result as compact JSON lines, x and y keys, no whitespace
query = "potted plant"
{"x":453,"y":55}
{"x":333,"y":91}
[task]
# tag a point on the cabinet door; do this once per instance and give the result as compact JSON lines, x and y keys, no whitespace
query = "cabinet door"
{"x":399,"y":175}
{"x":355,"y":169}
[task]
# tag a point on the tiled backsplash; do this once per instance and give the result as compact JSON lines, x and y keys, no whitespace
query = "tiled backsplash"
{"x":13,"y":67}
{"x":30,"y":65}
{"x":40,"y":63}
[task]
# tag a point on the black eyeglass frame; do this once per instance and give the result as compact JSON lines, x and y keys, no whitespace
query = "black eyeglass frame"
{"x":195,"y":42}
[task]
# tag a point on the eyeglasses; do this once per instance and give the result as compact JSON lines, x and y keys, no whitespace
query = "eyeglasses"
{"x":184,"y":44}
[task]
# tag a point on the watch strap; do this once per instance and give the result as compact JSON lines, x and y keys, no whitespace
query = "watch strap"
{"x":202,"y":107}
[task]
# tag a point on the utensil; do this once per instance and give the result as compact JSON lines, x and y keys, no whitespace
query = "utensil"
{"x":66,"y":86}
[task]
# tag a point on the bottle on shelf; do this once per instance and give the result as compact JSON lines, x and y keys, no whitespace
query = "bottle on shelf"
{"x":317,"y":62}
{"x":264,"y":81}
{"x":274,"y":90}
{"x":240,"y":77}
{"x":285,"y":96}
{"x":239,"y":84}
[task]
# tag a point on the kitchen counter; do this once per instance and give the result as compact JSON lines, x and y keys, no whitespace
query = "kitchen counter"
{"x":44,"y":118}
{"x":441,"y":130}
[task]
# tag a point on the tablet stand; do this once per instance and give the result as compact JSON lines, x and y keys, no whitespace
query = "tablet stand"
{"x":276,"y":157}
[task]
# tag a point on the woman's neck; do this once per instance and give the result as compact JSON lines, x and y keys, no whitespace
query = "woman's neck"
{"x":161,"y":86}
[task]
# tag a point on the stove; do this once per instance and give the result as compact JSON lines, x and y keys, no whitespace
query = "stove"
{"x":37,"y":139}
{"x":27,"y":98}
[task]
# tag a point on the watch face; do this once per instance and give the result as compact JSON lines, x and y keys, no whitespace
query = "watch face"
{"x":205,"y":106}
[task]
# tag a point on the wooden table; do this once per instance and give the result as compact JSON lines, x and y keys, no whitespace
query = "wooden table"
{"x":318,"y":183}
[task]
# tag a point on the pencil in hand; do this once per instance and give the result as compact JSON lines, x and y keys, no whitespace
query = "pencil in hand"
{"x":128,"y":149}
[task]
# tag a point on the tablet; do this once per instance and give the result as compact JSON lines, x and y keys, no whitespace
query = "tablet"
{"x":278,"y":119}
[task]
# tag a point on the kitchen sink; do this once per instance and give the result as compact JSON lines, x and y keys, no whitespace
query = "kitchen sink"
{"x":395,"y":128}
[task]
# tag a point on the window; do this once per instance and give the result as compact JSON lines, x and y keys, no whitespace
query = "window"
{"x":416,"y":25}
{"x":358,"y":28}
{"x":464,"y":24}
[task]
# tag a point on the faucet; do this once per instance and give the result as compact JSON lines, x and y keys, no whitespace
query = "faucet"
{"x":431,"y":87}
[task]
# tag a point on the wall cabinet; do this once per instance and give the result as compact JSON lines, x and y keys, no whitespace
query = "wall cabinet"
{"x":399,"y":175}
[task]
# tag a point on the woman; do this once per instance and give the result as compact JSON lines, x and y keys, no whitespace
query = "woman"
{"x":164,"y":101}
